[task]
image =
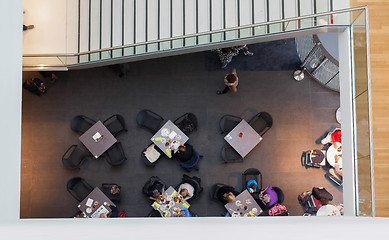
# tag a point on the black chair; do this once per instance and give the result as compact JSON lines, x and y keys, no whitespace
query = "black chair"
{"x":80,"y":124}
{"x":115,"y":124}
{"x":230,"y":155}
{"x":115,"y":155}
{"x":312,"y":158}
{"x":192,"y":163}
{"x":187,"y":123}
{"x":153,"y":183}
{"x":78,"y":188}
{"x":149,"y":120}
{"x":228,"y":122}
{"x":73,"y":157}
{"x":214,"y":190}
{"x":106,"y":189}
{"x":195,"y":182}
{"x":252,"y":174}
{"x":261,"y":122}
{"x":144,"y":158}
{"x":334,"y":179}
{"x":280,"y":194}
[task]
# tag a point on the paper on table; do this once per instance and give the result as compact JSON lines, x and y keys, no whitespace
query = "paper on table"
{"x":96,"y":136}
{"x":172,"y":134}
{"x":89,"y":202}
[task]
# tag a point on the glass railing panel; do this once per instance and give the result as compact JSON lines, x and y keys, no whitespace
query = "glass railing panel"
{"x":204,"y":39}
{"x":217,"y":37}
{"x":140,"y":49}
{"x":105,"y":55}
{"x":355,"y":16}
{"x":69,"y":60}
{"x":275,"y":28}
{"x":43,"y":62}
{"x":361,"y":114}
{"x":291,"y":25}
{"x":84,"y":58}
{"x":165,"y":45}
{"x":117,"y":53}
{"x":231,"y":35}
{"x":153,"y":47}
{"x":94,"y":56}
{"x":261,"y":30}
{"x":190,"y":41}
{"x":179,"y":43}
{"x":128,"y":51}
{"x":245,"y":32}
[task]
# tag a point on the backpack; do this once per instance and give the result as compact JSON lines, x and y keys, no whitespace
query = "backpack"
{"x":305,"y":200}
{"x":278,"y":209}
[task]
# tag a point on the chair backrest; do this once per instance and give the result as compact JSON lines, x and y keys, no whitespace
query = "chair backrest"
{"x":187,"y":123}
{"x":81,"y":124}
{"x":261,"y":122}
{"x":228,"y":122}
{"x":149,"y":120}
{"x":153,"y":183}
{"x":116,"y":155}
{"x":78,"y":188}
{"x":214,"y":190}
{"x":115,"y":124}
{"x":195,"y":182}
{"x":73,"y":157}
{"x":230,"y":155}
{"x":280,"y":194}
{"x":252,"y":173}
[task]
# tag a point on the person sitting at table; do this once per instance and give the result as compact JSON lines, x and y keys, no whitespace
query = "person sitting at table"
{"x":268,"y":196}
{"x":223,"y":194}
{"x":184,"y":152}
{"x":252,"y":186}
{"x":186,"y":190}
{"x":157,"y":196}
{"x":113,"y":214}
{"x":184,"y":212}
{"x":334,"y":137}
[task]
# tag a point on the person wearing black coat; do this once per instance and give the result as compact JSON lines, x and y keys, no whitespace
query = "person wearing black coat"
{"x":184,"y":152}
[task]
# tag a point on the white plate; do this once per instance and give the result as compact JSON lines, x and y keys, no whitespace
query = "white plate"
{"x":238,"y":203}
{"x":254,"y":210}
{"x":178,"y":137}
{"x":88,"y":210}
{"x":163,"y":140}
{"x":165,"y":132}
{"x":235,"y":214}
{"x":165,"y":214}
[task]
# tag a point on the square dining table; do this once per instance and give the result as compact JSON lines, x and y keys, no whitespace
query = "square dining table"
{"x":102,"y":144}
{"x":169,"y":135}
{"x":243,"y":138}
{"x":95,"y":204}
{"x":168,"y":207}
{"x":244,"y":206}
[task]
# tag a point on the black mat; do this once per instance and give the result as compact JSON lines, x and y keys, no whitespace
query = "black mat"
{"x":278,"y":55}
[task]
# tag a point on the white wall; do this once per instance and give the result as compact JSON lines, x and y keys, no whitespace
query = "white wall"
{"x":10,"y":106}
{"x":190,"y":228}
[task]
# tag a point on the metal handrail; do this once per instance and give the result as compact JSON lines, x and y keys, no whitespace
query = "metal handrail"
{"x":205,"y":33}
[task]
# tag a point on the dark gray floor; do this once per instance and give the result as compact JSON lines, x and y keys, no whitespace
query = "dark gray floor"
{"x":301,"y":112}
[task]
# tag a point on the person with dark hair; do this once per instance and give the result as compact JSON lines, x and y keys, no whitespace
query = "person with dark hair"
{"x":226,"y":194}
{"x":49,"y":74}
{"x":231,"y":81}
{"x":226,"y":54}
{"x":35,"y":85}
{"x":157,"y":196}
{"x":27,"y":27}
{"x":184,"y":152}
{"x":252,"y":186}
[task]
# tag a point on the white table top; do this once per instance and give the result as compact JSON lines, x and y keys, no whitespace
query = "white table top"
{"x":331,"y":153}
{"x":245,"y":142}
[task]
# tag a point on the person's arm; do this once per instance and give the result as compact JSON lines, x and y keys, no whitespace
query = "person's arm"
{"x":186,"y":211}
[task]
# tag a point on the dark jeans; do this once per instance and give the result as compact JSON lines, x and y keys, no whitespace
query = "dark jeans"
{"x":225,"y":90}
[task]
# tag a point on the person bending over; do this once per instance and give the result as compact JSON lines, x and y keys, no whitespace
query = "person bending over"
{"x":184,"y":152}
{"x":186,"y":190}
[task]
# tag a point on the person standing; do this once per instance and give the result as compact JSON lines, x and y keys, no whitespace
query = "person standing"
{"x":231,"y":81}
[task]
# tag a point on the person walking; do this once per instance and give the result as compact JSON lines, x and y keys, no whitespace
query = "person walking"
{"x":231,"y":81}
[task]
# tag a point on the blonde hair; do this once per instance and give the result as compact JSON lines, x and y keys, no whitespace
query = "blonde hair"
{"x":184,"y":192}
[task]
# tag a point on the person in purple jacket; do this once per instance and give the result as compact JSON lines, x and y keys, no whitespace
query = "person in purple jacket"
{"x":268,"y":196}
